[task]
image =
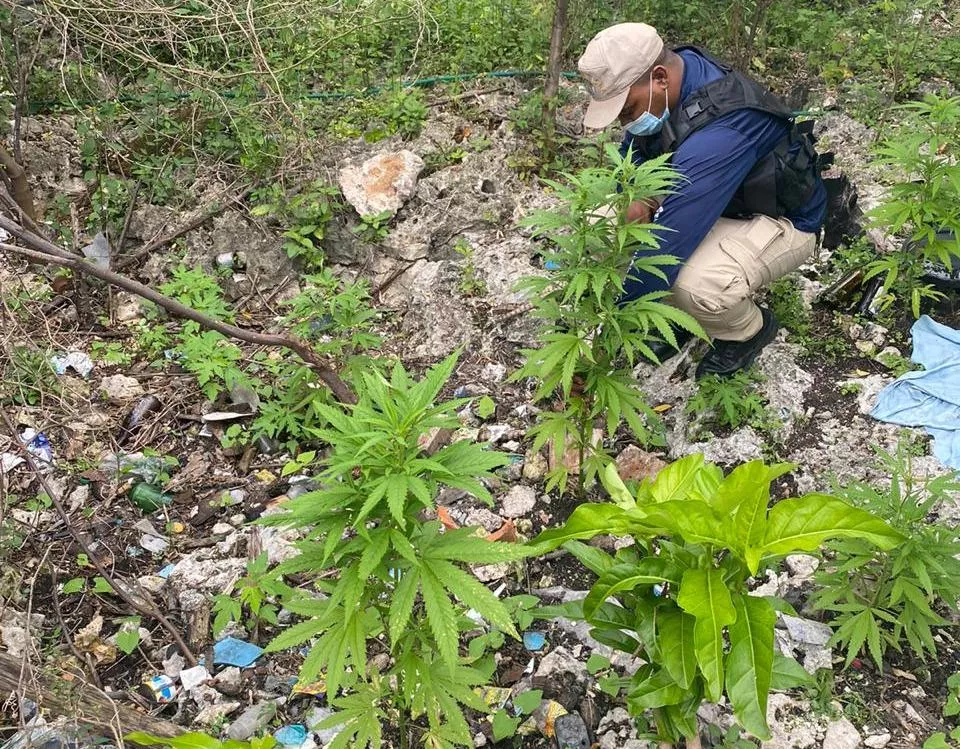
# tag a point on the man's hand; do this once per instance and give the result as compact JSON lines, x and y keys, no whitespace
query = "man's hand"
{"x":642,"y":211}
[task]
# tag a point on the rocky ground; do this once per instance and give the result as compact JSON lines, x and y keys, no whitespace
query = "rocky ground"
{"x":198,"y":546}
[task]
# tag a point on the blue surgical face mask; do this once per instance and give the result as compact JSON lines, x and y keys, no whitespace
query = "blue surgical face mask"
{"x":648,"y":123}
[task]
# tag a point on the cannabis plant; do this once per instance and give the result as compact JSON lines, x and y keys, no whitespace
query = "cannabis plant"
{"x":925,"y":205}
{"x":731,"y":402}
{"x":679,"y":598}
{"x":885,"y":598}
{"x":393,"y":582}
{"x":592,"y":338}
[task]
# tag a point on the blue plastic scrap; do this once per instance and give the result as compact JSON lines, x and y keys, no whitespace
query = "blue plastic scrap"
{"x":293,"y":735}
{"x":533,"y":640}
{"x":233,"y":652}
{"x":929,"y":398}
{"x":166,"y":571}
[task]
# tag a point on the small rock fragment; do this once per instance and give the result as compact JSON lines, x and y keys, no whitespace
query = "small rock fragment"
{"x":214,"y":713}
{"x":518,"y":501}
{"x":534,"y":466}
{"x":434,"y":439}
{"x":487,"y":573}
{"x":802,"y":565}
{"x":119,"y":387}
{"x":483,"y":518}
{"x":807,"y":631}
{"x":841,"y":734}
{"x":635,"y":464}
{"x":877,"y":741}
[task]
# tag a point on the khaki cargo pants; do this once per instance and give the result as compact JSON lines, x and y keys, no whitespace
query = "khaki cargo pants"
{"x":735,"y":259}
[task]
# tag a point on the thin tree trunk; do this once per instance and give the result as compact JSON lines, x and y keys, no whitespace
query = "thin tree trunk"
{"x":552,"y":84}
{"x":20,"y":189}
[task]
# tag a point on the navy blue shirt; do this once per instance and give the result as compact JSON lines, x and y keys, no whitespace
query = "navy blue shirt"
{"x":714,"y":161}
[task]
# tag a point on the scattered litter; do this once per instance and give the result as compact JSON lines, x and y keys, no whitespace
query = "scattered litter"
{"x":551,"y":265}
{"x":98,"y":251}
{"x":293,"y":735}
{"x":78,"y":361}
{"x":233,"y":652}
{"x":149,"y":498}
{"x":9,"y":461}
{"x":232,"y":261}
{"x":154,"y":544}
{"x":161,"y":688}
{"x":244,"y":395}
{"x":166,"y":570}
{"x":215,"y":417}
{"x":149,"y":468}
{"x":928,"y":398}
{"x":494,"y":697}
{"x":314,"y":689}
{"x":88,"y":640}
{"x":120,"y":387}
{"x":191,"y":677}
{"x":38,"y":446}
{"x":533,"y":640}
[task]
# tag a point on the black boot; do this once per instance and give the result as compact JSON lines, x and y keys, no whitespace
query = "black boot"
{"x":729,"y":357}
{"x":664,"y":350}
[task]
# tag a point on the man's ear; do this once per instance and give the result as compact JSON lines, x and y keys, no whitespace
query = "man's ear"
{"x":661,"y":77}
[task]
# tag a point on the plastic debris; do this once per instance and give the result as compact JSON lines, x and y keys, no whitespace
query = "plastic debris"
{"x":314,"y":689}
{"x":233,"y":652}
{"x":293,"y":735}
{"x":232,"y":261}
{"x":551,"y":265}
{"x":246,"y":396}
{"x":215,"y":417}
{"x":192,"y":677}
{"x":154,"y":544}
{"x":38,"y":446}
{"x":78,"y":361}
{"x":148,"y":497}
{"x":161,"y":688}
{"x":166,"y":570}
{"x":148,"y":468}
{"x":543,"y":719}
{"x":494,"y":697}
{"x":570,"y":732}
{"x":98,"y":251}
{"x":533,"y":640}
{"x":9,"y":461}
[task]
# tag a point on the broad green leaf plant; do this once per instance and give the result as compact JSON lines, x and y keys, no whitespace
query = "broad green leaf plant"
{"x":392,"y":582}
{"x":592,"y":340}
{"x":679,"y":598}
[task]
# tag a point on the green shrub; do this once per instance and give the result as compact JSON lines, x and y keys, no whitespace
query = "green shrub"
{"x":590,"y":339}
{"x":393,"y":580}
{"x":680,"y":595}
{"x":885,"y":598}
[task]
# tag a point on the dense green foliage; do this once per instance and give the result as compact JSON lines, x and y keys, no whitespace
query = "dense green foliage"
{"x":400,"y":582}
{"x":885,"y":598}
{"x":593,"y":340}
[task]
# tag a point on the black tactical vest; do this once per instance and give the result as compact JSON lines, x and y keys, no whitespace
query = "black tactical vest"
{"x":780,"y":183}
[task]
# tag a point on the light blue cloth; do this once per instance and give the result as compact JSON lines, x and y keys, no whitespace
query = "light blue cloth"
{"x":929,"y":398}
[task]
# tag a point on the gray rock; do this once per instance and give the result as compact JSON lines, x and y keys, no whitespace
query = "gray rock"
{"x":791,"y":726}
{"x":487,"y":573}
{"x":213,"y":713}
{"x":534,"y":466}
{"x":483,"y":518}
{"x":841,"y":734}
{"x":877,"y":741}
{"x":493,"y":372}
{"x":518,"y":501}
{"x":786,"y":384}
{"x":807,"y":631}
{"x":560,"y":661}
{"x":208,"y":575}
{"x":382,"y":183}
{"x":802,"y":565}
{"x":229,"y":681}
{"x":255,"y":718}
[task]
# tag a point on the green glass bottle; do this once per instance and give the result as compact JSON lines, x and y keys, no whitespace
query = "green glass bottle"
{"x":148,"y":497}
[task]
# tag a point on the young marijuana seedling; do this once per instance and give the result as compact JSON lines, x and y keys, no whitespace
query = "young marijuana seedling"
{"x":883,"y":597}
{"x":257,"y":592}
{"x":730,"y":402}
{"x":924,"y":205}
{"x":399,"y":584}
{"x":679,"y":600}
{"x":592,"y":339}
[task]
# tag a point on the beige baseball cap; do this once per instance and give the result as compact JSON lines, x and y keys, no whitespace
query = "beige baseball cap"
{"x":613,"y":61}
